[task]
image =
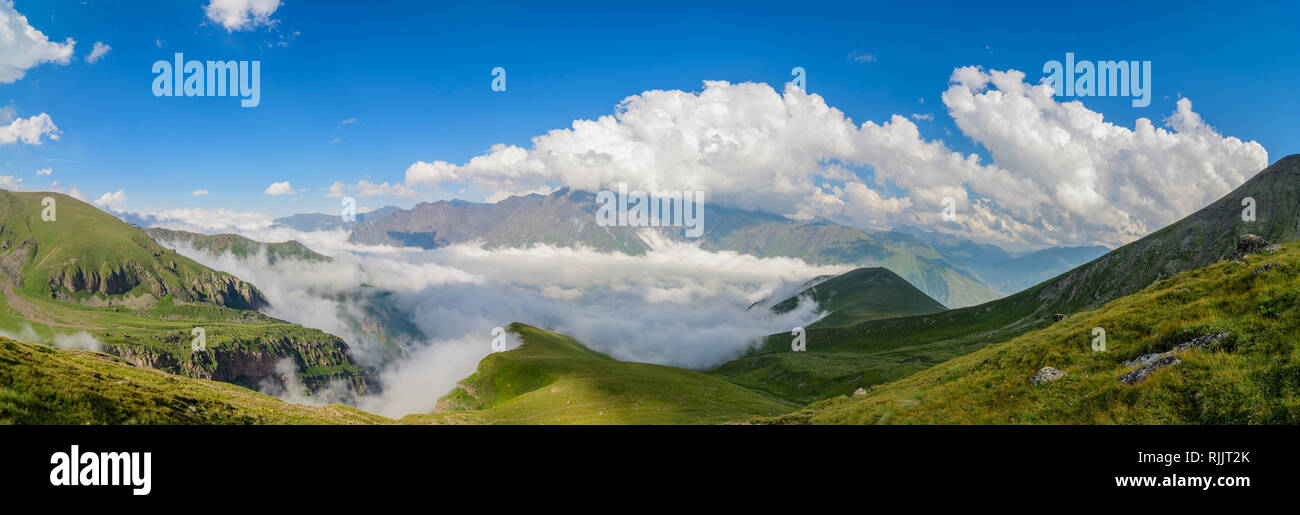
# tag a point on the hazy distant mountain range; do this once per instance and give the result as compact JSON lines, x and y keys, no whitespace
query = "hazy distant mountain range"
{"x":955,"y":272}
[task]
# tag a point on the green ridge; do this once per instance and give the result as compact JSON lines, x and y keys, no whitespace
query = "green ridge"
{"x":839,"y":360}
{"x":239,"y":246}
{"x":1251,"y":377}
{"x":554,"y":379}
{"x":88,"y":256}
{"x":87,"y":271}
{"x":861,"y":295}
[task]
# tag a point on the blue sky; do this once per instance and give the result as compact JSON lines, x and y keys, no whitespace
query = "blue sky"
{"x":416,"y":79}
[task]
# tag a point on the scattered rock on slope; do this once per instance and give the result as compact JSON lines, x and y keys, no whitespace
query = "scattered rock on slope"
{"x":1150,"y":362}
{"x":1138,"y":375}
{"x":1204,"y":340}
{"x":1046,"y":374}
{"x":1265,"y":267}
{"x":1251,"y":244}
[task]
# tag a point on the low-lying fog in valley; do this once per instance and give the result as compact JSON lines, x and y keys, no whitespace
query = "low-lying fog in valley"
{"x":675,"y":305}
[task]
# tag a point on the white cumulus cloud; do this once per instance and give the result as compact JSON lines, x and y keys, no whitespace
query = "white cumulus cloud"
{"x":29,"y":130}
{"x":235,"y":15}
{"x":112,"y":201}
{"x":98,"y":52}
{"x":22,"y":47}
{"x":1060,"y":174}
{"x":280,"y":188}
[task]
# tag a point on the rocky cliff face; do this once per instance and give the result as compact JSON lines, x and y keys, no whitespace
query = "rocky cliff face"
{"x":316,"y":362}
{"x":116,"y":279}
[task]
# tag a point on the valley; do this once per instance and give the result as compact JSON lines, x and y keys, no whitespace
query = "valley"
{"x":883,"y":351}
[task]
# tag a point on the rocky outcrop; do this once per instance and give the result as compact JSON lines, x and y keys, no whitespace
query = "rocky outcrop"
{"x":1046,"y":375}
{"x":212,"y":287}
{"x":1251,"y":244}
{"x":1142,"y":372}
{"x":1205,"y":340}
{"x":1265,"y":267}
{"x":1148,"y":363}
{"x":319,"y":362}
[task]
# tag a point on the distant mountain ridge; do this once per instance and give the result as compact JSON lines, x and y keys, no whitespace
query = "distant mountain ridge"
{"x":567,"y":218}
{"x":308,"y":222}
{"x":239,"y":246}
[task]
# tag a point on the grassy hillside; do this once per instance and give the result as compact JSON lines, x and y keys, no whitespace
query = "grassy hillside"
{"x":88,"y":272}
{"x":842,"y":359}
{"x":44,"y":385}
{"x":861,"y":295}
{"x":553,"y":379}
{"x":239,"y":246}
{"x":242,"y":347}
{"x":1251,"y":375}
{"x":88,"y":256}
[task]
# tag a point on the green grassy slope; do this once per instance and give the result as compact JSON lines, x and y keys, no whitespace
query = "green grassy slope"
{"x":86,"y":255}
{"x":86,"y":271}
{"x":44,"y":385}
{"x":1251,"y":377}
{"x":861,"y":295}
{"x":242,"y":347}
{"x":842,"y":359}
{"x":239,"y":246}
{"x":553,"y":379}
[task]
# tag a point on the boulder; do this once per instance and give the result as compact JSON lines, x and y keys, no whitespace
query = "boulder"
{"x":1141,"y":373}
{"x":1059,"y":317}
{"x":1265,"y":267}
{"x":1046,"y":374}
{"x":1251,"y":244}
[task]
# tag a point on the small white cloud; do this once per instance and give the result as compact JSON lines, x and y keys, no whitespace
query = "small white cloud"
{"x":9,"y":182}
{"x":98,"y":52}
{"x":348,"y":121}
{"x":235,"y":15}
{"x":279,"y":188}
{"x":858,"y":57}
{"x":112,"y":201}
{"x":927,"y":117}
{"x":22,"y":47}
{"x":200,"y":193}
{"x":44,"y":171}
{"x":29,"y":130}
{"x":335,"y":190}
